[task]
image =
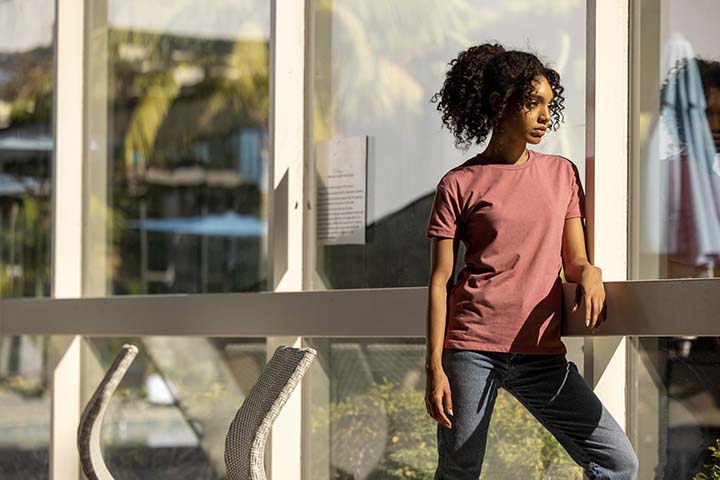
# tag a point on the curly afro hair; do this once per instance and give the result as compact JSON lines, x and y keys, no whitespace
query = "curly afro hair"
{"x":481,"y":70}
{"x":709,"y":74}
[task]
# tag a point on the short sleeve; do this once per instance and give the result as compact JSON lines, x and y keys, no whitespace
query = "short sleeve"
{"x":444,"y":215}
{"x":576,"y":204}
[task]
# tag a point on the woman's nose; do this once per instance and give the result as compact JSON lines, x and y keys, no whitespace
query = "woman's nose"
{"x":545,"y":115}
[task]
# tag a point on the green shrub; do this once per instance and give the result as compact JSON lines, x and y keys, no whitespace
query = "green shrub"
{"x":714,"y":468}
{"x":386,"y":433}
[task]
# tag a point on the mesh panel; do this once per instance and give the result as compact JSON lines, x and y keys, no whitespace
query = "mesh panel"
{"x":88,"y":433}
{"x":247,"y":435}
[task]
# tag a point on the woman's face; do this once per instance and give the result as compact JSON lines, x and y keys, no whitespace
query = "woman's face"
{"x":713,"y":114}
{"x":530,"y":123}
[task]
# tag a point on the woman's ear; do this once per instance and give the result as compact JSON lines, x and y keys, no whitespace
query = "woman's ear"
{"x":493,"y":101}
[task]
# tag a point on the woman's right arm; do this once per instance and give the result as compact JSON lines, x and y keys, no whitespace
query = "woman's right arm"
{"x":443,"y":253}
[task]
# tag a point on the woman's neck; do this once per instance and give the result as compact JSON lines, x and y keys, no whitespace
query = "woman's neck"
{"x":503,"y":151}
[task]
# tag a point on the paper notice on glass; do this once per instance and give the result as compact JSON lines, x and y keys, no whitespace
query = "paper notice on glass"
{"x":341,"y":166}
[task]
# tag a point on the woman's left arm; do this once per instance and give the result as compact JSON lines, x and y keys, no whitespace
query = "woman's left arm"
{"x":579,"y":270}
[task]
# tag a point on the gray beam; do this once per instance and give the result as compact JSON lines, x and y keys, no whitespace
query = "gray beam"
{"x":639,"y":308}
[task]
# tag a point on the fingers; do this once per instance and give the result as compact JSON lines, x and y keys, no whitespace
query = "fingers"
{"x":598,"y":312}
{"x":448,"y":403}
{"x":434,"y":407}
{"x":441,"y":417}
{"x":430,"y":408}
{"x":437,"y":397}
{"x":578,"y":297}
{"x":595,"y":309}
{"x":588,"y":311}
{"x":601,"y":312}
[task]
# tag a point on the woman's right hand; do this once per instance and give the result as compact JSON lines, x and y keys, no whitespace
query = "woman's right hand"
{"x":437,"y":396}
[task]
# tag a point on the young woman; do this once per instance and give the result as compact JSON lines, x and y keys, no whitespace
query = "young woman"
{"x":519,"y":215}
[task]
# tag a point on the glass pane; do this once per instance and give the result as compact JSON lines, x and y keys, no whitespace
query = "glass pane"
{"x":375,"y":137}
{"x":368,"y":419}
{"x":24,"y":408}
{"x":677,"y":230}
{"x":177,"y":146}
{"x":675,"y":405}
{"x":26,"y":146}
{"x":171,"y":413}
{"x":678,"y":169}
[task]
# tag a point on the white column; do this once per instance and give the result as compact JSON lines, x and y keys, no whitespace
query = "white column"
{"x":67,"y":169}
{"x":608,"y":39}
{"x":287,"y":98}
{"x":67,"y":252}
{"x":283,"y":457}
{"x":65,"y":354}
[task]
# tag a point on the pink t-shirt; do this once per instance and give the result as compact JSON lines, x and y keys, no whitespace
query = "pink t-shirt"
{"x":510,"y":218}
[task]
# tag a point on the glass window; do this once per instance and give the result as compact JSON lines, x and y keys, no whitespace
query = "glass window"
{"x":677,"y":170}
{"x":24,"y":407}
{"x":676,"y":234}
{"x":177,"y":146}
{"x":172,"y":410}
{"x":375,"y":138}
{"x":367,"y":418}
{"x":676,"y":405}
{"x":26,"y":146}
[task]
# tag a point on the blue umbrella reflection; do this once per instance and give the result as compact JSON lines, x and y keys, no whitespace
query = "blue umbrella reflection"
{"x":228,"y":224}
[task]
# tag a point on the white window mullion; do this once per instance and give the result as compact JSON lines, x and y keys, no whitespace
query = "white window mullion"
{"x":286,"y":207}
{"x":286,"y":144}
{"x":67,"y":166}
{"x":607,"y":155}
{"x":67,"y":222}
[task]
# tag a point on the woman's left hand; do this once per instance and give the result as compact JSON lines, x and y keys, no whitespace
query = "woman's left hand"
{"x":591,"y":287}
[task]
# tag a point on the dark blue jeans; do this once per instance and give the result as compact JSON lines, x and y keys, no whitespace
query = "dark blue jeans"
{"x":554,"y":392}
